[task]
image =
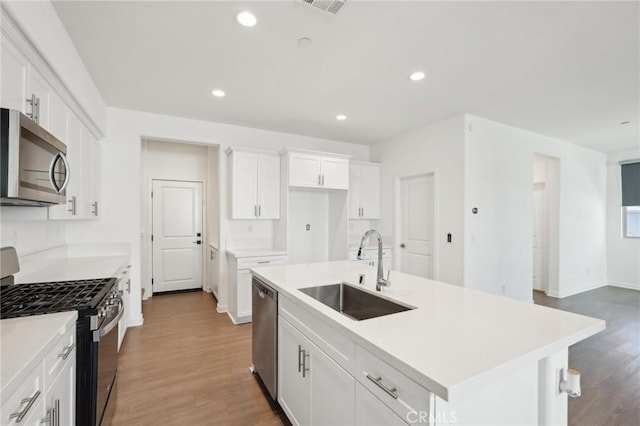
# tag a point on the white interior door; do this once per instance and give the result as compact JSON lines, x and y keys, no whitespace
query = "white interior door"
{"x":177,"y":229}
{"x":417,"y":225}
{"x":538,"y":236}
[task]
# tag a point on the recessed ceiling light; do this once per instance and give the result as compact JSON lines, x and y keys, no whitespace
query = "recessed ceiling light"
{"x":417,"y":76}
{"x":247,"y":19}
{"x":625,"y":122}
{"x":218,"y":93}
{"x":341,"y":117}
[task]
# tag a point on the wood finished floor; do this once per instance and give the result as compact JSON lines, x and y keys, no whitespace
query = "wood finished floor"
{"x":189,"y":365}
{"x":609,"y":361}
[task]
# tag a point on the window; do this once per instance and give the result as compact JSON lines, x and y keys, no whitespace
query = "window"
{"x":630,"y":179}
{"x":631,"y":222}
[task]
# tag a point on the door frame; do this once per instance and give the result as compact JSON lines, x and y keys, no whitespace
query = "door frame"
{"x":149,"y":229}
{"x":544,"y":249}
{"x":397,"y":217}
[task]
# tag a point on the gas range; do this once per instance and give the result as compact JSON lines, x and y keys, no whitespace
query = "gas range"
{"x":100,"y":309}
{"x":85,"y":296}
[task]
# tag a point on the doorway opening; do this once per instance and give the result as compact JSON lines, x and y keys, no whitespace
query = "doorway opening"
{"x":545,"y":215}
{"x":181,"y":215}
{"x":415,"y":224}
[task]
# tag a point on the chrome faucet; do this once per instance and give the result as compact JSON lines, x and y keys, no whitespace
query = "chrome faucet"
{"x":380,"y":281}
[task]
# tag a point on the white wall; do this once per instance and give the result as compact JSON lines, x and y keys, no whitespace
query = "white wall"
{"x":498,"y":176}
{"x":27,"y":229}
{"x":308,"y":207}
{"x":436,"y":148}
{"x":121,"y":156}
{"x":623,"y":254}
{"x":41,"y":25}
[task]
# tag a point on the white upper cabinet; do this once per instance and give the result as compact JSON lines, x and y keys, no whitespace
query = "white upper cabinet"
{"x":364,"y":191}
{"x":255,"y":185}
{"x":38,"y":98}
{"x":13,"y":80}
{"x":318,"y":171}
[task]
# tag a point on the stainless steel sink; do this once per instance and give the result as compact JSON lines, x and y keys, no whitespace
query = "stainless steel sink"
{"x":353,"y":302}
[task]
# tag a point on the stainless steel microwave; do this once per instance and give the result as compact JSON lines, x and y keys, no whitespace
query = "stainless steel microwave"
{"x":34,"y":168}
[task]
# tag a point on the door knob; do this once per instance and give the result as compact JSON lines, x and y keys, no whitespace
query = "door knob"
{"x":402,"y":245}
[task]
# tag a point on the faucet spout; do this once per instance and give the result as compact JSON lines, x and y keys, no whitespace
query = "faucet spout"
{"x":380,"y":280}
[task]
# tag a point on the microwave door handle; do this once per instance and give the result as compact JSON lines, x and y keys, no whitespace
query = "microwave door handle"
{"x":67,"y":172}
{"x":101,"y":332}
{"x":52,"y":170}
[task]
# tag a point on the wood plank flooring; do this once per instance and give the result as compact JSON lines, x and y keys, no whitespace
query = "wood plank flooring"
{"x":189,"y":365}
{"x":609,"y":361}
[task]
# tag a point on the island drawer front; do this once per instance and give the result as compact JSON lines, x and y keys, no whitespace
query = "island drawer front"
{"x":410,"y":397}
{"x":59,"y":355}
{"x":254,"y":262}
{"x":26,"y":390}
{"x":338,"y":347}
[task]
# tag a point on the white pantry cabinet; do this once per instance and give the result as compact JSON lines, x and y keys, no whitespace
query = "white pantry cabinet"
{"x":364,"y":191}
{"x":314,"y":389}
{"x":309,"y":170}
{"x":255,"y":184}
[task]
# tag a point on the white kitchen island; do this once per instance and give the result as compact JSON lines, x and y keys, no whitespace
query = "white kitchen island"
{"x":460,"y":357}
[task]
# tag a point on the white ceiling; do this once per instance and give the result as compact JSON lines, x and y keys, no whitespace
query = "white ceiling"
{"x":566,"y":69}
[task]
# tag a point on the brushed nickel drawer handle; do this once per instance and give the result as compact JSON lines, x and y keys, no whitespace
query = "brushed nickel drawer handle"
{"x":378,"y":381}
{"x":67,"y":351}
{"x":262,"y":262}
{"x":19,"y":416}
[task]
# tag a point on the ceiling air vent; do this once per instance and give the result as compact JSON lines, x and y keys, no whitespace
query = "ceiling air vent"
{"x":331,"y":6}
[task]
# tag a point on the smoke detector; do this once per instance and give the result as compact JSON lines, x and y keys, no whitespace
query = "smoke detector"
{"x":330,"y":6}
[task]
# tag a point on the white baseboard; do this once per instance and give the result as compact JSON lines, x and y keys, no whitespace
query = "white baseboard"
{"x":631,"y":286}
{"x":221,"y":308}
{"x":572,"y":292}
{"x":136,"y":322}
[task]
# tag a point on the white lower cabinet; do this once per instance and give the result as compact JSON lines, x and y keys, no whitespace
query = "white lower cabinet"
{"x":240,"y":283}
{"x":370,"y":411}
{"x":313,"y":389}
{"x":124,"y":288}
{"x":47,"y":395}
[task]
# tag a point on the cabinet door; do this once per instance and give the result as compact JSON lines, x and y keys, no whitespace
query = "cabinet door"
{"x":332,"y":391}
{"x":244,"y":295}
{"x":304,"y":170}
{"x":294,"y":390}
{"x":370,"y":192}
{"x":95,"y":191}
{"x":58,"y":113}
{"x":13,"y":80}
{"x":61,"y":394}
{"x":124,"y":286}
{"x":244,"y":185}
{"x":39,"y":87}
{"x":335,"y":173}
{"x":268,"y":186}
{"x":75,"y":188}
{"x":370,"y":411}
{"x":354,"y":191}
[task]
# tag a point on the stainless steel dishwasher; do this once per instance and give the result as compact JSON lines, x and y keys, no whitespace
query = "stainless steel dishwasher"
{"x":264,"y":304}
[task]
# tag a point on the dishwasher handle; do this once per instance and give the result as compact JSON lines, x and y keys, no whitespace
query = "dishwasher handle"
{"x":263,"y":290}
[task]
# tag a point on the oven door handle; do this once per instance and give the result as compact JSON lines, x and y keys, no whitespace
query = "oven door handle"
{"x":101,"y":332}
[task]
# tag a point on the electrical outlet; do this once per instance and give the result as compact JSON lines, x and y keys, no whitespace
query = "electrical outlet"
{"x":308,"y":227}
{"x":250,"y":228}
{"x":504,"y":289}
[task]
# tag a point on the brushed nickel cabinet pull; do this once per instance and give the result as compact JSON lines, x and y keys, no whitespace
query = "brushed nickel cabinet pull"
{"x":67,"y":351}
{"x":19,"y":416}
{"x":378,"y":381}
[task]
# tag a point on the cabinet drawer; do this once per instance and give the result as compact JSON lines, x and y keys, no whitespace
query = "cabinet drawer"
{"x":61,"y":354}
{"x":370,"y":411}
{"x":253,"y":262}
{"x":27,"y":390}
{"x":390,"y":386}
{"x":332,"y":342}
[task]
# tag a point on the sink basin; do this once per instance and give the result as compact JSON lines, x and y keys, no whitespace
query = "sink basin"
{"x":353,"y":302}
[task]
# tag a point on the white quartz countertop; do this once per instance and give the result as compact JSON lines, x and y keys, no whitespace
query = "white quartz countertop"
{"x":70,"y":268}
{"x":455,"y":340}
{"x":23,"y":342}
{"x":255,"y":252}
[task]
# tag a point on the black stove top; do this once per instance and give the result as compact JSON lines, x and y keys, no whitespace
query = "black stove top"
{"x":44,"y":298}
